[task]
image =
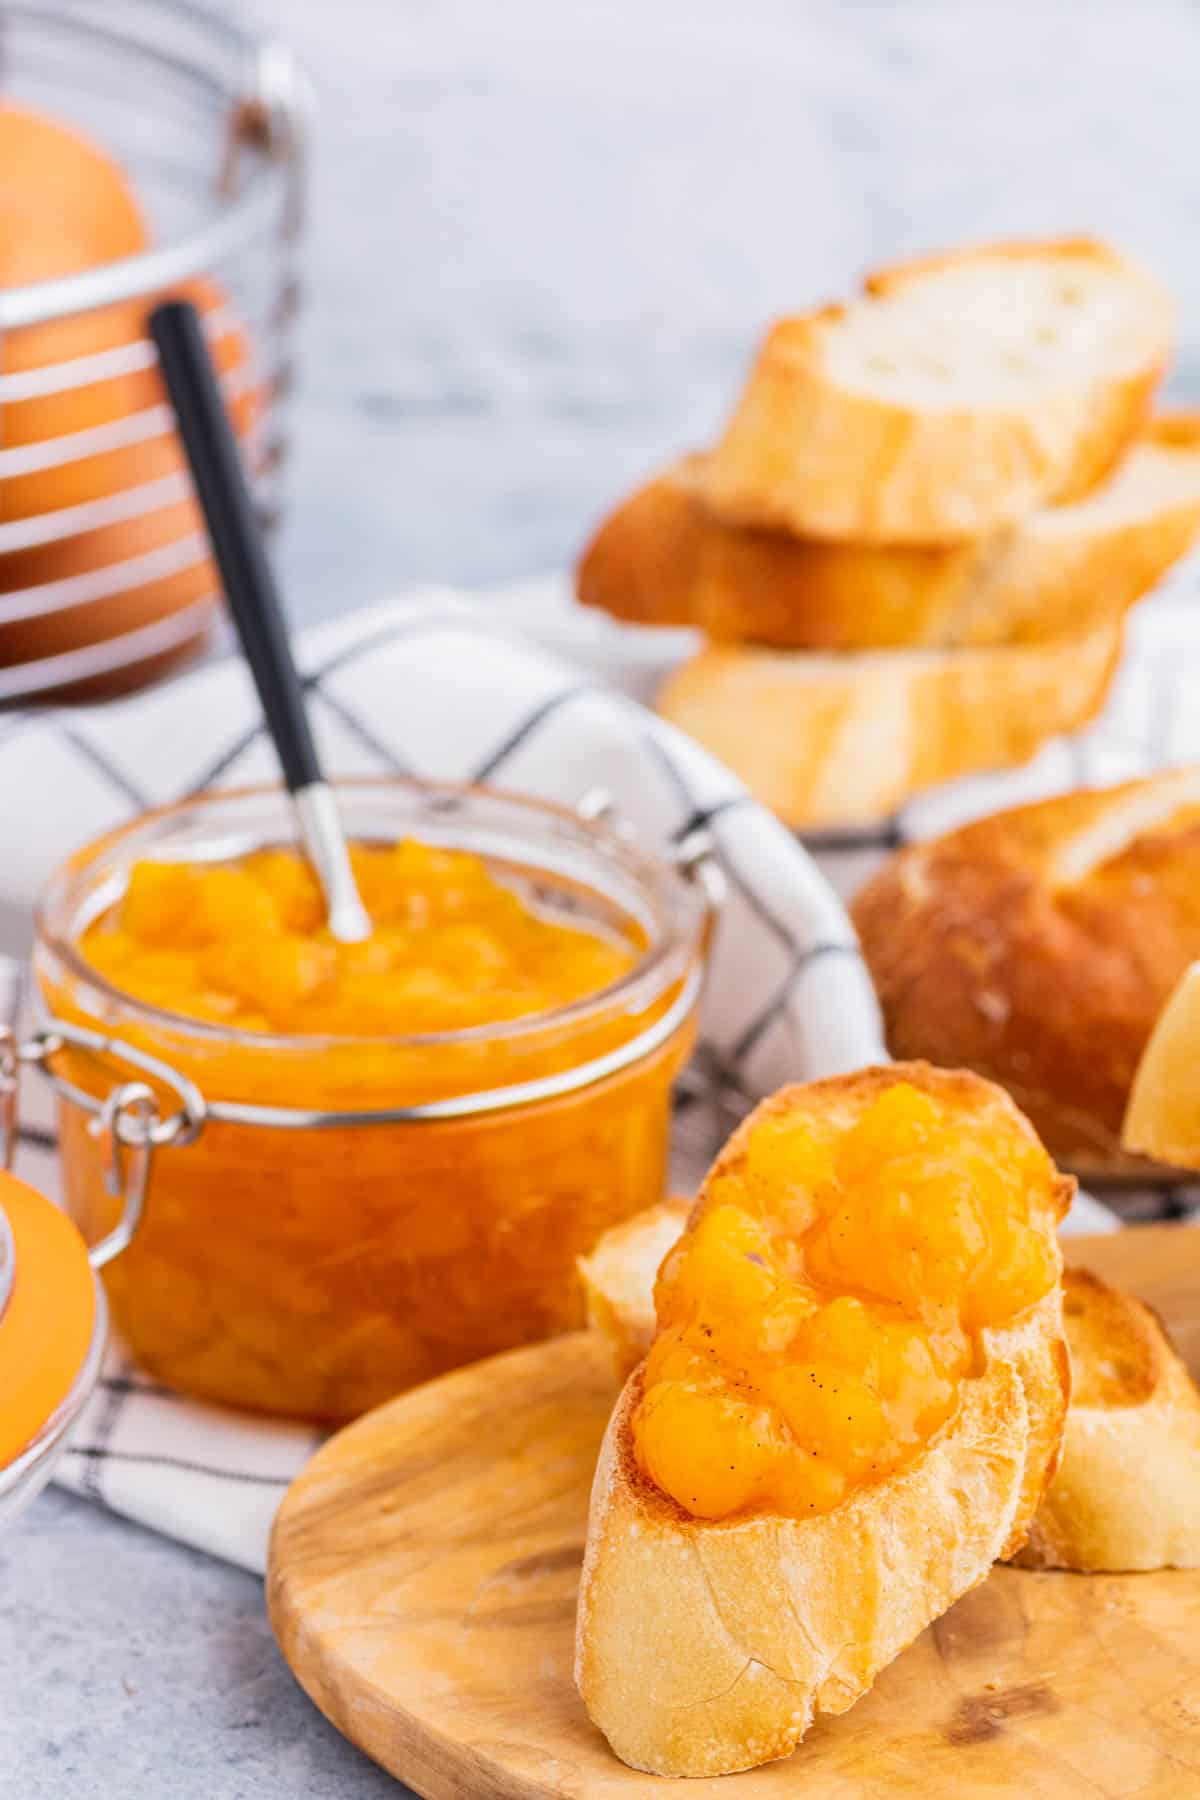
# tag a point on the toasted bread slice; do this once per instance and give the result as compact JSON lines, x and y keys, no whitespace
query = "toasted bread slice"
{"x":663,"y":559}
{"x":829,"y":740}
{"x":618,"y":1280}
{"x":705,"y":1646}
{"x":960,"y":393}
{"x":1162,"y":1115}
{"x":1127,"y":1491}
{"x":1039,"y":946}
{"x":646,"y":563}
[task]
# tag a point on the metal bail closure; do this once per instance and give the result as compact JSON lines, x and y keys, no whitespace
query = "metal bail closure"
{"x":694,"y":857}
{"x":596,"y":806}
{"x":128,"y":1123}
{"x":125,"y":1129}
{"x":696,"y":861}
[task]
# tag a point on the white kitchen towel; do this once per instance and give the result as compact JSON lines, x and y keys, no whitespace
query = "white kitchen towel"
{"x":440,"y":686}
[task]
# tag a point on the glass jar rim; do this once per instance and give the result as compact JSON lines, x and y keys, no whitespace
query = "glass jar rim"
{"x":676,"y":942}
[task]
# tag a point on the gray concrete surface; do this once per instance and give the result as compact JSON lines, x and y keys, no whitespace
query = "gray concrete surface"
{"x":132,"y":1668}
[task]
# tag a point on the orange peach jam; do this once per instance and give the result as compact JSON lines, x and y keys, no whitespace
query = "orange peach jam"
{"x":316,"y":1272}
{"x":245,"y":945}
{"x":819,"y":1314}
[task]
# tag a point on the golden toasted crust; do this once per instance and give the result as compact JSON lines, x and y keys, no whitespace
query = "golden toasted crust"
{"x":1038,"y":946}
{"x":663,"y":559}
{"x":871,"y":461}
{"x":707,"y":1647}
{"x":1127,"y":1491}
{"x":643,"y":563}
{"x":845,"y":740}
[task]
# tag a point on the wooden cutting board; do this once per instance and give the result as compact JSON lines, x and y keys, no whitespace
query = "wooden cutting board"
{"x":422,"y":1584}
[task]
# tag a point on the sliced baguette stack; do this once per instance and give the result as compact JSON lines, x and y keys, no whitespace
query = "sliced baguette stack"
{"x":915,"y":544}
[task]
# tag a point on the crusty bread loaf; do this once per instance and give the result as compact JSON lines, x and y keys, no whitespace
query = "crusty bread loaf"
{"x":663,"y":559}
{"x":960,"y":393}
{"x":828,"y":740}
{"x":708,"y":1646}
{"x":1037,"y":946}
{"x":1127,"y":1491}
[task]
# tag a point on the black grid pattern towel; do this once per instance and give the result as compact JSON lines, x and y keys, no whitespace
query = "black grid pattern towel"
{"x":522,"y":689}
{"x":441,"y":687}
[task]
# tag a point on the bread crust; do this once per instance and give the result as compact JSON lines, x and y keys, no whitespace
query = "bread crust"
{"x":704,"y":1647}
{"x":845,"y":740}
{"x":805,"y":453}
{"x":663,"y":559}
{"x":618,"y":1280}
{"x":1127,"y":1492}
{"x":982,"y":956}
{"x":644,"y":563}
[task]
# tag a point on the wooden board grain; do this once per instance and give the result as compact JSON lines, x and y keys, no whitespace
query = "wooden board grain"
{"x":422,"y":1586}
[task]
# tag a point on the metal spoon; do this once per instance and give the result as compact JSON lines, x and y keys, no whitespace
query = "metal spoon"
{"x":254,"y":602}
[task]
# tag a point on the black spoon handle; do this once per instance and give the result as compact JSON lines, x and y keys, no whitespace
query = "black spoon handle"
{"x":233,"y":532}
{"x":249,"y":585}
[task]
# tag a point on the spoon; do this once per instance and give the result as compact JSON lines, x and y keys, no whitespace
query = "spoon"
{"x":254,"y":602}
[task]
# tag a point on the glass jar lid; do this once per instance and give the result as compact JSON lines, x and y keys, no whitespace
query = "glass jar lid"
{"x":47,"y":1313}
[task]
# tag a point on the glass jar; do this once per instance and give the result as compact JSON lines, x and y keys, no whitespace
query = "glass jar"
{"x":332,"y":1219}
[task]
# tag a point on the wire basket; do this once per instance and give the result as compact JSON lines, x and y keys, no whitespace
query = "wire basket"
{"x":105,"y":580}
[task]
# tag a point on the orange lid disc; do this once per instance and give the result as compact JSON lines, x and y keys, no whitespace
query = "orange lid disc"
{"x":47,"y":1321}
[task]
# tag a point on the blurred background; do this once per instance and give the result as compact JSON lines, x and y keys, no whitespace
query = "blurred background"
{"x":542,"y":242}
{"x":544,"y":238}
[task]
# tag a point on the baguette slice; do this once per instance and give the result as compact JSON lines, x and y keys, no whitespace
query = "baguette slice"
{"x":705,"y":1647}
{"x":1162,"y":1116}
{"x":663,"y":559}
{"x":618,"y":1280}
{"x":1127,"y":1491}
{"x":829,"y":740}
{"x":960,"y":393}
{"x":1039,"y":946}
